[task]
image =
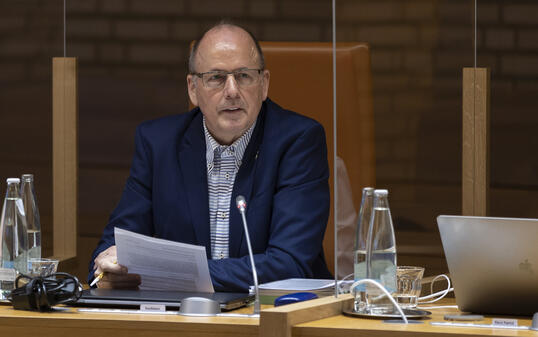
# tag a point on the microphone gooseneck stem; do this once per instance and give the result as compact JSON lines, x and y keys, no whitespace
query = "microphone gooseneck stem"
{"x":254,"y":273}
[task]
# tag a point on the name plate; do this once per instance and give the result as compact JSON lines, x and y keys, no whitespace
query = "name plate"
{"x":150,"y":307}
{"x":504,"y":322}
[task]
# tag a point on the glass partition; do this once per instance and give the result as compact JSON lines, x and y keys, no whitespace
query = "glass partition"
{"x":31,"y":33}
{"x":133,"y":66}
{"x":508,"y":46}
{"x":398,"y":110}
{"x":417,"y":51}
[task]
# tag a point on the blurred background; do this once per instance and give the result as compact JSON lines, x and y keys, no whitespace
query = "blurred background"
{"x":132,"y":58}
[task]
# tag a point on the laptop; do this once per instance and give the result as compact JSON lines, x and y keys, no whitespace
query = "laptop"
{"x":493,"y":263}
{"x":171,"y":299}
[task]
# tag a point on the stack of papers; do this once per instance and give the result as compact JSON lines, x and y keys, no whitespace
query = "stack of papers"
{"x":319,"y":287}
{"x":163,"y":264}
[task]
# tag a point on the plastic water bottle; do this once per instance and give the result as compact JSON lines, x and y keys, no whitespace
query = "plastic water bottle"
{"x":14,"y":238}
{"x":361,"y":237}
{"x":381,"y":255}
{"x":32,"y":216}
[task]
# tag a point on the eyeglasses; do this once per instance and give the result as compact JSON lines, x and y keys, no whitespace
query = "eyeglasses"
{"x":216,"y":79}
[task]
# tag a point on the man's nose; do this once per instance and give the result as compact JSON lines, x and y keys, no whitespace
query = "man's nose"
{"x":231,"y":88}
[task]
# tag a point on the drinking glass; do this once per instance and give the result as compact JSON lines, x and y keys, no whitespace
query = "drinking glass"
{"x":408,"y":280}
{"x":42,"y":267}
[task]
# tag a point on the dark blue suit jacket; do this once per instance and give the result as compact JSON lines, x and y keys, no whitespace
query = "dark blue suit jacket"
{"x":283,"y":176}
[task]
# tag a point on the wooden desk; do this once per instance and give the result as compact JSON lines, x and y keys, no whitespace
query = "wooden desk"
{"x":343,"y":326}
{"x":298,"y":320}
{"x":18,"y":323}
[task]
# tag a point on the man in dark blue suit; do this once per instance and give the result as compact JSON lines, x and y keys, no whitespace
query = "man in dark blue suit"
{"x":188,"y":169}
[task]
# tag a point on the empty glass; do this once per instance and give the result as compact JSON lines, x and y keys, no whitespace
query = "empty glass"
{"x":42,"y":267}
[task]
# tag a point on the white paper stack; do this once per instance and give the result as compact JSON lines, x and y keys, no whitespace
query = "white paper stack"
{"x":319,"y":287}
{"x":163,"y":264}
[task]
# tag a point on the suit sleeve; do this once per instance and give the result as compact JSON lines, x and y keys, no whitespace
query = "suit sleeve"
{"x":299,"y":219}
{"x":134,"y":211}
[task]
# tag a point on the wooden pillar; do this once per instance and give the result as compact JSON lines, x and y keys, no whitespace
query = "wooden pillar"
{"x":476,"y":129}
{"x":279,"y":321}
{"x":64,"y":156}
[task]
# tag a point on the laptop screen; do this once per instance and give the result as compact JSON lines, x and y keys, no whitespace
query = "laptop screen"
{"x":493,"y":263}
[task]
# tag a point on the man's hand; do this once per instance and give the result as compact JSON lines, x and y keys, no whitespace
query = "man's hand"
{"x":115,"y":275}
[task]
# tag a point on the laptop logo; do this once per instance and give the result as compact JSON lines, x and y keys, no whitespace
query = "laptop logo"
{"x":526,"y":266}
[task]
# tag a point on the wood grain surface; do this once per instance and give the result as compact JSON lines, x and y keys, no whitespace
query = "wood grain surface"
{"x":317,"y":318}
{"x":344,"y":326}
{"x":77,"y":324}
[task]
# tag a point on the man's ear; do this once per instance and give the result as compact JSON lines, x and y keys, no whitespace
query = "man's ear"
{"x":191,"y":86}
{"x":265,"y":79}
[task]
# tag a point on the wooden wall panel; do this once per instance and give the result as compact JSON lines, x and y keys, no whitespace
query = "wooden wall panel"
{"x":475,"y":155}
{"x":65,"y":156}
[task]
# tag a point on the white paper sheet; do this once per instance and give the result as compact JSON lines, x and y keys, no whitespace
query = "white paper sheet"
{"x":163,"y":264}
{"x":299,"y":284}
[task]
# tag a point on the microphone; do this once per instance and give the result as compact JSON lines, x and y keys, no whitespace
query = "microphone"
{"x":242,"y":207}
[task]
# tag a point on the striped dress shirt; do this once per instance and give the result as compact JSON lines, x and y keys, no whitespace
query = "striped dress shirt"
{"x":223,"y":162}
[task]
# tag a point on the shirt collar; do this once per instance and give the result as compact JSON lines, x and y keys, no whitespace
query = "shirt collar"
{"x":238,"y":146}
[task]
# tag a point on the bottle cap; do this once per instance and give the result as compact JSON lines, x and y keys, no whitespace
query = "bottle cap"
{"x":13,"y":180}
{"x":381,"y":192}
{"x":27,"y":177}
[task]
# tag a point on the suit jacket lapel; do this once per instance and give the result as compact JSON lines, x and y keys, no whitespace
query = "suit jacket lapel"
{"x":243,"y":185}
{"x":193,"y":166}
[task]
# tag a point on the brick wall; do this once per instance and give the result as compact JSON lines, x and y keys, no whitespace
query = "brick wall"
{"x":508,"y":45}
{"x":133,"y":56}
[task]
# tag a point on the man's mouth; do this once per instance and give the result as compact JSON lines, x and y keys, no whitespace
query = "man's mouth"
{"x":231,"y":109}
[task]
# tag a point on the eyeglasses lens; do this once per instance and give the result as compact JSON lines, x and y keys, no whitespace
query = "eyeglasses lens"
{"x":243,"y":78}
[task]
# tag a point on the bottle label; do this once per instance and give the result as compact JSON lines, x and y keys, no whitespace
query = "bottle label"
{"x":8,"y":274}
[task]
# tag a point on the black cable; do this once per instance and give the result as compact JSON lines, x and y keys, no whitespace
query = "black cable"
{"x":41,"y":293}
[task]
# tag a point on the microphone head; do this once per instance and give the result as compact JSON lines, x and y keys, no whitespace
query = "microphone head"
{"x":241,"y":203}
